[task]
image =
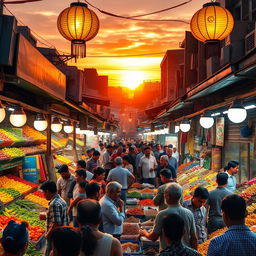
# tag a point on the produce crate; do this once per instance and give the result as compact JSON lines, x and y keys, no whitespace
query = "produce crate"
{"x":139,"y":252}
{"x":39,"y":244}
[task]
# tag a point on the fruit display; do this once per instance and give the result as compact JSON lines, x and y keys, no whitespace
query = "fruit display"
{"x":62,"y":159}
{"x":185,"y":166}
{"x":136,"y":185}
{"x":10,"y":137}
{"x":251,"y":220}
{"x":135,"y":211}
{"x":33,"y":134}
{"x":32,"y":150}
{"x":245,"y":196}
{"x":251,"y":208}
{"x":13,"y":152}
{"x":134,"y":194}
{"x":25,"y":210}
{"x":130,"y":247}
{"x":35,"y":232}
{"x":37,"y":199}
{"x":132,"y":219}
{"x":16,"y":183}
{"x":146,"y":202}
{"x":251,"y":190}
{"x":5,"y":197}
{"x":3,"y":156}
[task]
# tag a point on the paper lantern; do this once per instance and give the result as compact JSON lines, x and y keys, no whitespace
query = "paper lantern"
{"x":206,"y":121}
{"x":68,"y":127}
{"x":78,"y":24}
{"x":211,"y":23}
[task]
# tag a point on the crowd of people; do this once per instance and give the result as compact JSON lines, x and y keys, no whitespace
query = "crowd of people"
{"x":86,"y":212}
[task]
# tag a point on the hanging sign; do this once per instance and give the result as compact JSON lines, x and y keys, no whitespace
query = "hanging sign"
{"x":220,"y":122}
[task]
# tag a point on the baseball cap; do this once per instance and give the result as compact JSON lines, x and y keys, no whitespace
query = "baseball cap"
{"x":63,"y":168}
{"x":15,"y":232}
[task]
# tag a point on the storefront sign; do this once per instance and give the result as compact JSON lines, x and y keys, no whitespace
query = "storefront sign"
{"x":220,"y":122}
{"x":34,"y":68}
{"x":216,"y":159}
{"x":29,"y":169}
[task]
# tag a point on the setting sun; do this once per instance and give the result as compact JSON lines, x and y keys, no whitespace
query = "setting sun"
{"x":133,"y":79}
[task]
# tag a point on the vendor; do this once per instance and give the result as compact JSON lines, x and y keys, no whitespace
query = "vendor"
{"x":232,"y":169}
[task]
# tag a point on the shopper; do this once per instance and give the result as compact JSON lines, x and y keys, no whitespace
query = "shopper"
{"x":113,"y":210}
{"x":164,"y":153}
{"x":102,"y":152}
{"x":172,"y":160}
{"x":98,"y":177}
{"x":173,"y":194}
{"x":139,"y":155}
{"x":122,"y":176}
{"x":175,"y":154}
{"x":196,"y":206}
{"x":15,"y":239}
{"x":107,"y":164}
{"x":132,"y":156}
{"x":94,"y":242}
{"x":57,"y":213}
{"x":158,"y":152}
{"x":80,"y":196}
{"x":127,"y":164}
{"x":66,"y":241}
{"x":119,"y":153}
{"x":166,"y":178}
{"x":147,"y":167}
{"x":173,"y":237}
{"x":232,"y":169}
{"x":93,"y":191}
{"x":93,"y":162}
{"x":81,"y":164}
{"x":64,"y":182}
{"x":164,"y":164}
{"x":80,"y":176}
{"x":238,"y":240}
{"x":215,"y":220}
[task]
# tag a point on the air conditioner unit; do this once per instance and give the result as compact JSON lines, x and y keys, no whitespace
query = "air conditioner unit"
{"x":250,"y":41}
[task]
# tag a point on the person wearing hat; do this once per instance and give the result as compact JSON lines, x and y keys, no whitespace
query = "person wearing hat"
{"x":64,"y":182}
{"x":15,"y":239}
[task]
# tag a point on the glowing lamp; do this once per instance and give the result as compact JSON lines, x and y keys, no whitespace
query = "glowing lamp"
{"x":2,"y":112}
{"x":177,"y":128}
{"x":185,"y":125}
{"x":56,"y":125}
{"x":211,"y":23}
{"x":206,"y":121}
{"x":68,"y":127}
{"x":78,"y":24}
{"x":18,"y":117}
{"x":40,"y":122}
{"x":237,"y":113}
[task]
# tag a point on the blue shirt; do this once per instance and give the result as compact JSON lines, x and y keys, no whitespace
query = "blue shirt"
{"x":173,"y":162}
{"x":111,"y":217}
{"x":231,"y":183}
{"x":236,"y":241}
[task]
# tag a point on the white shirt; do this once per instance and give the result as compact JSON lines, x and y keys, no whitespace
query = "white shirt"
{"x":120,"y":175}
{"x":146,"y":164}
{"x":176,"y":155}
{"x":102,"y":152}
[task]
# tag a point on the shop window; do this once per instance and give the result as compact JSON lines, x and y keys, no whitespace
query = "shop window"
{"x":238,"y":152}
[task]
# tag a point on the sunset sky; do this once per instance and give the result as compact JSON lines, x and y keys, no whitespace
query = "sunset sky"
{"x":117,"y":36}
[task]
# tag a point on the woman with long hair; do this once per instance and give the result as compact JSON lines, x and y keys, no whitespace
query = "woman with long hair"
{"x":94,"y":242}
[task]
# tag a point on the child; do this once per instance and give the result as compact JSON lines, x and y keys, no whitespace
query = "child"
{"x":81,"y":195}
{"x":99,"y":175}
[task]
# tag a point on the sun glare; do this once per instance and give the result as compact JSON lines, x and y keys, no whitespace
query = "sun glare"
{"x":133,"y":79}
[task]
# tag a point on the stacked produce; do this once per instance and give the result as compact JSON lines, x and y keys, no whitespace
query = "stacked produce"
{"x":12,"y":152}
{"x":146,"y":202}
{"x":130,"y":247}
{"x":33,"y":134}
{"x":9,"y":137}
{"x":38,"y":198}
{"x":134,"y":194}
{"x":132,"y":219}
{"x":32,"y":150}
{"x":135,"y":211}
{"x":63,"y":160}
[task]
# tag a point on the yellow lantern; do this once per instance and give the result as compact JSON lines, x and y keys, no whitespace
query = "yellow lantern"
{"x":212,"y":23}
{"x":78,"y":24}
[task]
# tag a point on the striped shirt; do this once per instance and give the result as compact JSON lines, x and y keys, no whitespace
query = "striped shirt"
{"x":236,"y":241}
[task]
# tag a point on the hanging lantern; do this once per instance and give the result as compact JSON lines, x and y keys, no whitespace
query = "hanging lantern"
{"x":237,"y":113}
{"x":18,"y":117}
{"x":78,"y":24}
{"x":56,"y":125}
{"x":68,"y":127}
{"x":206,"y":121}
{"x":185,"y":126}
{"x":177,"y":128}
{"x":212,"y":23}
{"x":2,"y":112}
{"x":40,"y":122}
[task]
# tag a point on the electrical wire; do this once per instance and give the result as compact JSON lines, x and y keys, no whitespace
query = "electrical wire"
{"x":21,"y":2}
{"x":143,"y":15}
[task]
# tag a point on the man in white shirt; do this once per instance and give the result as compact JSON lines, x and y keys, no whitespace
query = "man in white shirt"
{"x":102,"y":152}
{"x":147,"y":167}
{"x":175,"y":154}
